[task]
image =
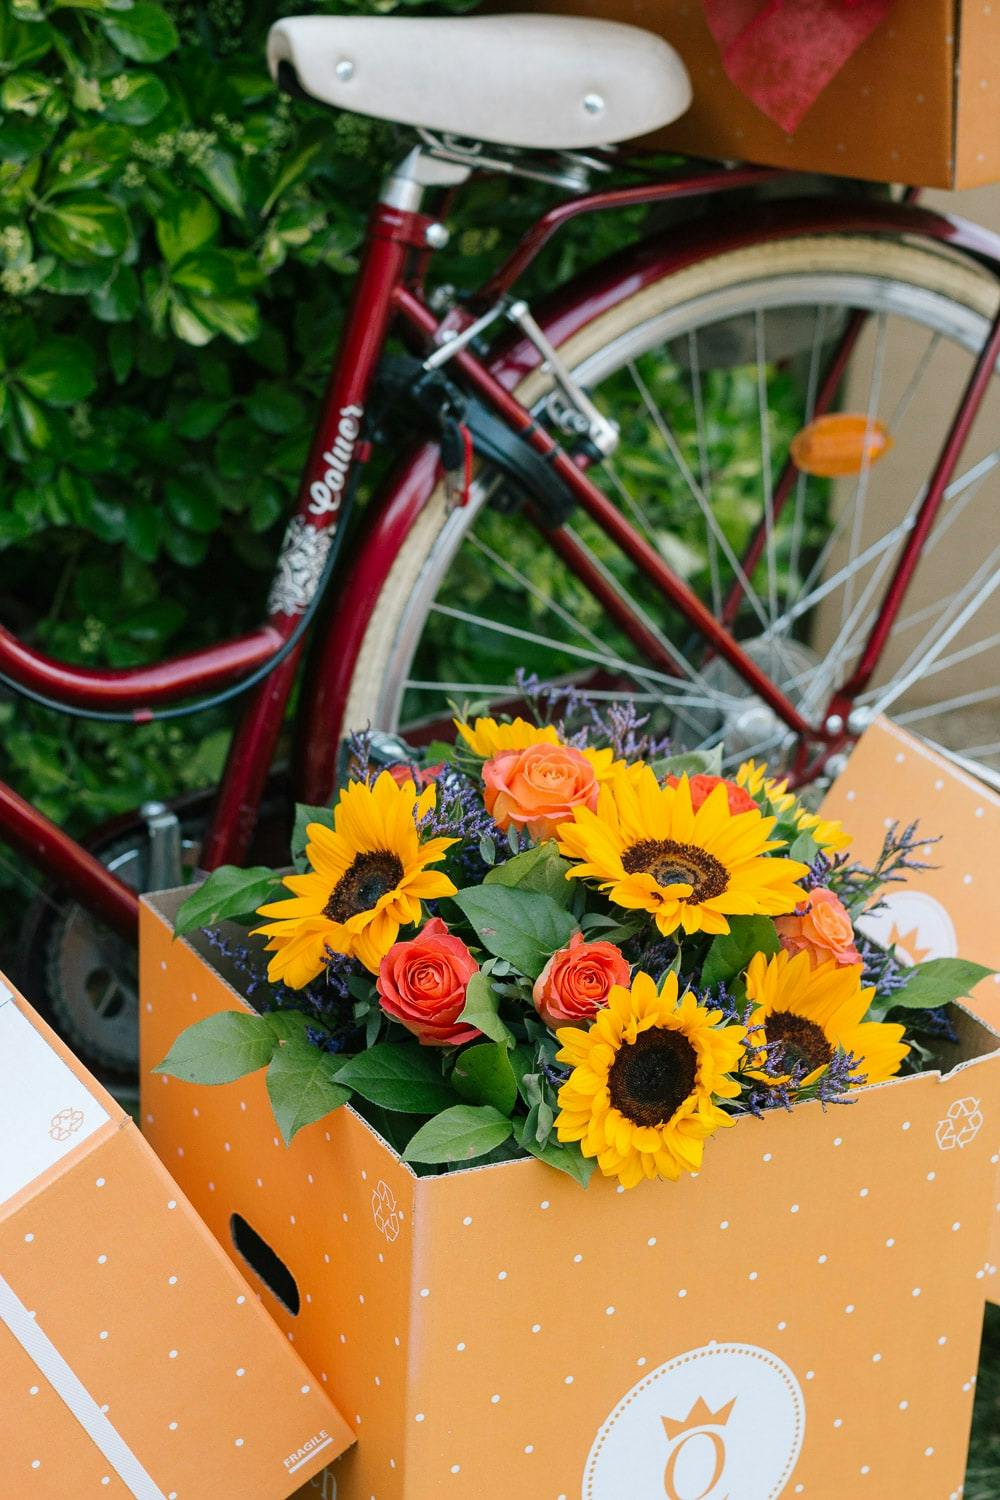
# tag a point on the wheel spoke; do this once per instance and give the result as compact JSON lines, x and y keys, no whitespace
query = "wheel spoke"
{"x":981,"y":586}
{"x":767,"y":480}
{"x":699,"y":496}
{"x":861,"y":488}
{"x":704,"y":468}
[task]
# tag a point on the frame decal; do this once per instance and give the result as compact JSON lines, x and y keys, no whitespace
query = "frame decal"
{"x":299,"y":568}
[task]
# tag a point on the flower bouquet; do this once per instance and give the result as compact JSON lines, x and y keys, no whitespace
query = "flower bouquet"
{"x":555,"y":939}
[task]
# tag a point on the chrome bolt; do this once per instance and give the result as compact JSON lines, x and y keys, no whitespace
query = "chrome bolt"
{"x":859,"y":719}
{"x":436,"y":236}
{"x":593,"y":104}
{"x":834,"y":724}
{"x":344,"y":69}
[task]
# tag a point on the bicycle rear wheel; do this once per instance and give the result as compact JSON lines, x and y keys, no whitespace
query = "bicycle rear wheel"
{"x":710,"y":373}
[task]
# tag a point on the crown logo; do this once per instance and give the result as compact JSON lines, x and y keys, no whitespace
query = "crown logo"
{"x":700,"y":1415}
{"x":908,"y":942}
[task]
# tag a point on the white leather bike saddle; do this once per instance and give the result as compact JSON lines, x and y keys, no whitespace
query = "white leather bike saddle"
{"x":541,"y":82}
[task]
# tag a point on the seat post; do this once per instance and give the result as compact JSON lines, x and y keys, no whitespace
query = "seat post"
{"x":404,"y":188}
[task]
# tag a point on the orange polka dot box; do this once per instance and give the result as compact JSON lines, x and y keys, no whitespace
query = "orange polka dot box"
{"x":578,"y":1131}
{"x":137,"y":1363}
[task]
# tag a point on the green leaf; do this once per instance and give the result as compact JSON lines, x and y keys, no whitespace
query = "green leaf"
{"x":185,"y":223}
{"x":121,"y":353}
{"x":691,"y":763}
{"x":226,"y":892}
{"x":304,"y":815}
{"x":730,"y":953}
{"x":135,"y":98}
{"x":60,"y":371}
{"x":221,"y":176}
{"x":483,"y":1075}
{"x":459,"y":1134}
{"x":85,"y":158}
{"x":275,"y":408}
{"x":144,"y":32}
{"x":938,"y":982}
{"x":400,"y":1077}
{"x":524,"y":927}
{"x":481,"y":1009}
{"x":144,"y":530}
{"x":237,"y":317}
{"x":541,"y":869}
{"x":117,"y":300}
{"x":34,"y":420}
{"x":192,"y":504}
{"x":566,"y":1157}
{"x":22,"y":138}
{"x":302,"y":1085}
{"x":83,"y":227}
{"x":200,"y":417}
{"x":206,"y":273}
{"x":220,"y":1049}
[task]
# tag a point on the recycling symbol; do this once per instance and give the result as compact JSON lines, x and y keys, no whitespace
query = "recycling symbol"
{"x":384,"y":1211}
{"x":960,"y":1125}
{"x":64,"y":1123}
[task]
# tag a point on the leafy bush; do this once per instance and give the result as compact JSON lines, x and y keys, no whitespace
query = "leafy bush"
{"x":175,"y":240}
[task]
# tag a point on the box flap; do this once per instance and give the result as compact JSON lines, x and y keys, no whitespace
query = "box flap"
{"x":46,"y":1109}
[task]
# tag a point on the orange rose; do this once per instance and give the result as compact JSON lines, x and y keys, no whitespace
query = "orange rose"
{"x":821,"y":928}
{"x":577,"y":980}
{"x":422,"y":983}
{"x":739,"y":800}
{"x":538,"y":788}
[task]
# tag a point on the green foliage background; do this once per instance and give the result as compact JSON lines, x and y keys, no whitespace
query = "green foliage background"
{"x":174,"y":242}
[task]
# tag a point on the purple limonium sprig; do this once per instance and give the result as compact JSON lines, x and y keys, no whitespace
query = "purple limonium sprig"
{"x":858,"y":886}
{"x":819,"y":872}
{"x":459,"y":813}
{"x":881,"y":969}
{"x":582,"y":721}
{"x":360,"y":762}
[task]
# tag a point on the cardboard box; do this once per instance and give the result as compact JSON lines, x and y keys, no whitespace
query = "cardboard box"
{"x":917,"y":103}
{"x":946,"y":912}
{"x":135,"y":1360}
{"x":803,"y":1317}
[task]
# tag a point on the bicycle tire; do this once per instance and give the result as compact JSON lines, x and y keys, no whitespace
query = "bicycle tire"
{"x":918,"y":273}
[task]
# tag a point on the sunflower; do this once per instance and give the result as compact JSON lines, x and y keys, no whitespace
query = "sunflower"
{"x":827,"y":833}
{"x":806,"y":1015}
{"x":368,"y":877}
{"x":651,"y":851}
{"x":488,"y":737}
{"x":641,"y":1096}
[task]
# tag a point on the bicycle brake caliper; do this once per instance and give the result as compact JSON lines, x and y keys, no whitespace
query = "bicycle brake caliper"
{"x":569,"y":405}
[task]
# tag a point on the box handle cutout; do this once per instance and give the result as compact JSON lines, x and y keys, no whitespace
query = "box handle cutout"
{"x":265,"y":1263}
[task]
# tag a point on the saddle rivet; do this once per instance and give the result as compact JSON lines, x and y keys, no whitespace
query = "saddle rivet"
{"x":593,"y":104}
{"x":344,"y":69}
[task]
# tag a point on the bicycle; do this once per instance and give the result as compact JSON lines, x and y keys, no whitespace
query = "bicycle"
{"x":775,"y":613}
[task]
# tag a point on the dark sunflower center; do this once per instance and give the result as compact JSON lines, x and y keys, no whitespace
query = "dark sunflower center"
{"x":796,"y":1042}
{"x":369,"y":876}
{"x":652,"y":1076}
{"x":669,"y":862}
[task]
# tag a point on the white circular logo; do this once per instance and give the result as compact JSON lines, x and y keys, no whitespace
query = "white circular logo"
{"x":916,"y":923}
{"x":724,"y":1422}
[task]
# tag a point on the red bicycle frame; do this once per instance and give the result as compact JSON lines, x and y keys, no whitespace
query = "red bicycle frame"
{"x":388,"y":290}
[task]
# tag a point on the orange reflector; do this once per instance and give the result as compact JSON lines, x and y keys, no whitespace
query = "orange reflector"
{"x":837,"y":444}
